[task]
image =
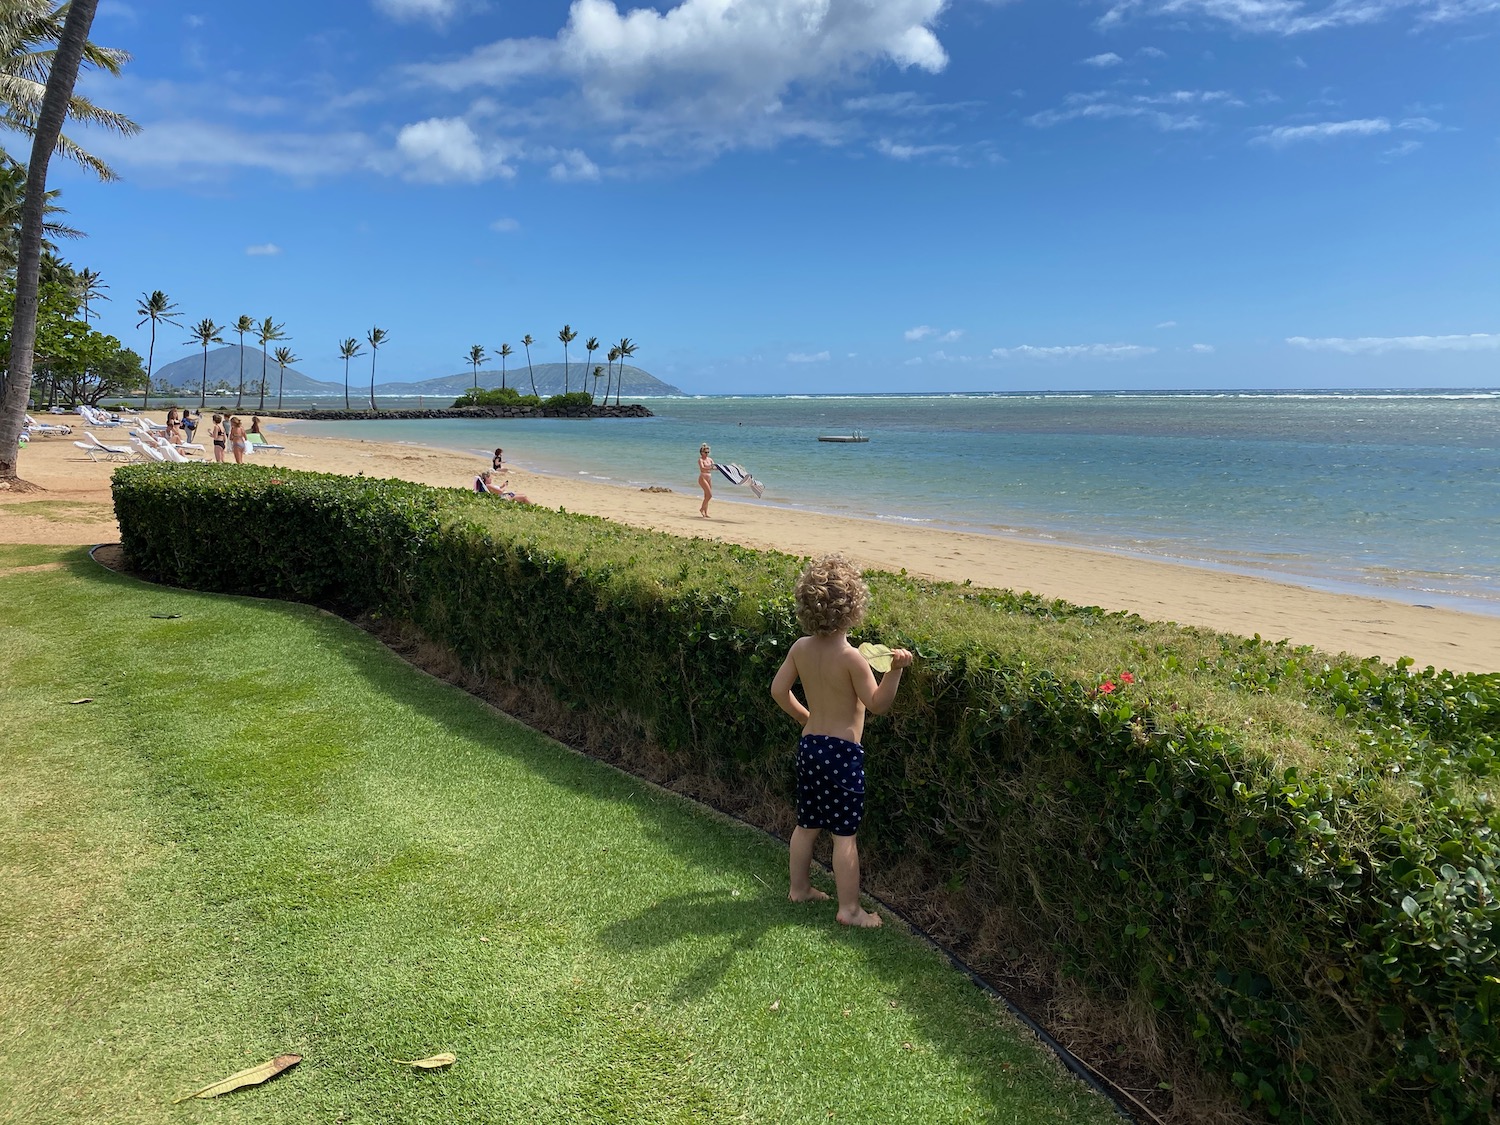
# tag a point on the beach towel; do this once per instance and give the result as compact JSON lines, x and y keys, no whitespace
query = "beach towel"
{"x":738,"y":474}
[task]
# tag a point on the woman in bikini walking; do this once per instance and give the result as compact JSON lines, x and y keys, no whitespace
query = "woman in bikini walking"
{"x":705,"y":478}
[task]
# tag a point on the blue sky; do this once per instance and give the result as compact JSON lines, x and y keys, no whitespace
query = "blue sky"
{"x":821,"y":195}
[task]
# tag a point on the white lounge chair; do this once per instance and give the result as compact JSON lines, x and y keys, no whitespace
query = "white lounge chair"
{"x":94,"y":416}
{"x":169,"y":451}
{"x":96,"y":449}
{"x":150,"y":451}
{"x":251,"y":441}
{"x":45,"y":427}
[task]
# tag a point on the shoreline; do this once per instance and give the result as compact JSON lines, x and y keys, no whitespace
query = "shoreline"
{"x":80,"y":512}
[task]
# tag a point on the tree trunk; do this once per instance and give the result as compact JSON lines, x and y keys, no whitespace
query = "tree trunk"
{"x":240,"y":397}
{"x":263,"y":378}
{"x":203,"y":386}
{"x":372,"y":380}
{"x":346,"y":384}
{"x":150,"y":356}
{"x":60,"y":82}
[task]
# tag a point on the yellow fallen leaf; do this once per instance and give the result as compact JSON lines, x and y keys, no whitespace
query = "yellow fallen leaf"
{"x":879,"y":656}
{"x":251,"y":1077}
{"x":436,"y":1062}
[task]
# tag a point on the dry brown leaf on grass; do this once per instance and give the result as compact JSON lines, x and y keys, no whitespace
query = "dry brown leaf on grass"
{"x":435,"y":1062}
{"x":76,"y":702}
{"x":879,"y":656}
{"x":252,"y":1077}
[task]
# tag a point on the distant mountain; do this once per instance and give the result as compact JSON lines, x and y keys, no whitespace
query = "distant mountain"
{"x":224,"y":370}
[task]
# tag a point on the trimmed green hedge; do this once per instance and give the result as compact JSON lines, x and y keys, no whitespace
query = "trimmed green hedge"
{"x":1274,"y":867}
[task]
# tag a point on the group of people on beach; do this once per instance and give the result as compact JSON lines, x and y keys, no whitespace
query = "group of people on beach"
{"x":227,"y":432}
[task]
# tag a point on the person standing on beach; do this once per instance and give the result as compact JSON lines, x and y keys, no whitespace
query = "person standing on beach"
{"x":238,"y":442}
{"x":189,"y":424}
{"x":831,"y":598}
{"x":218,"y":435}
{"x":705,"y":478}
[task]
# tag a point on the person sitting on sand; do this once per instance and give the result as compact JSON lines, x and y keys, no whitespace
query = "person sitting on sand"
{"x":485,"y":482}
{"x":831,"y":598}
{"x":498,"y":462}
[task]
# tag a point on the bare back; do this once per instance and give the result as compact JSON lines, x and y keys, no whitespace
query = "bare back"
{"x":837,"y":682}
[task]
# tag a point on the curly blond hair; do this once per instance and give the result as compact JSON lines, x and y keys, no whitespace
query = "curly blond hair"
{"x":831,"y":596}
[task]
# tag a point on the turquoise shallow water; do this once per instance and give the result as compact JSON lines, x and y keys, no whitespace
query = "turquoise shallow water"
{"x":1379,"y":492}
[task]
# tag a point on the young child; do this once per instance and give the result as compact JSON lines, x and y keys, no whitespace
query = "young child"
{"x":831,"y":599}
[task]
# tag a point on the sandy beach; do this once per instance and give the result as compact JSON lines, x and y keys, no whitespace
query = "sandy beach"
{"x":76,"y":508}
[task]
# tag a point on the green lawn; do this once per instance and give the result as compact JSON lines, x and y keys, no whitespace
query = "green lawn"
{"x":266,"y":834}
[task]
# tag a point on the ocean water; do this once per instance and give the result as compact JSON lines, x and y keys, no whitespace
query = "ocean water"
{"x":1388,"y":493}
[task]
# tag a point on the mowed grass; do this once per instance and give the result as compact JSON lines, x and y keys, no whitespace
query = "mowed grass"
{"x":266,"y":834}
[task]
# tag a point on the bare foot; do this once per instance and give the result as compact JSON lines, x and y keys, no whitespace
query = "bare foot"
{"x":861,"y":917}
{"x":812,"y":894}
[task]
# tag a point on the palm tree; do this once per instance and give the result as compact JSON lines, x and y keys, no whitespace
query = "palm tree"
{"x":27,"y":30}
{"x":614,"y":354}
{"x":597,"y":372}
{"x":158,"y":310}
{"x":284,"y":359}
{"x":376,"y":337}
{"x":266,"y":332}
{"x":626,"y":347}
{"x":476,"y":357}
{"x":567,"y":336}
{"x":349,"y":349}
{"x":45,"y":124}
{"x":591,"y":346}
{"x":12,"y":200}
{"x":526,"y":342}
{"x":89,"y":288}
{"x":205,"y":332}
{"x":504,"y":353}
{"x":242,"y":325}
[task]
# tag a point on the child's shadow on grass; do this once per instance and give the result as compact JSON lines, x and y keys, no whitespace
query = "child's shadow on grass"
{"x":726,"y":926}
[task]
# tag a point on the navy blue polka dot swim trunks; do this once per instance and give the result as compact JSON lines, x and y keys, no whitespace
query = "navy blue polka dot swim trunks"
{"x":830,"y":784}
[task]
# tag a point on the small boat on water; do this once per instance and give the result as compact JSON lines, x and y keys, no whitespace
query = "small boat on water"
{"x":855,"y":436}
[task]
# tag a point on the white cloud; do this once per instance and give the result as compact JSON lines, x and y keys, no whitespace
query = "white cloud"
{"x":1297,"y":17}
{"x":1074,"y":351}
{"x":1284,"y":135}
{"x":574,"y":165}
{"x":913,"y":152}
{"x":920,"y":332}
{"x":446,"y":149}
{"x":263,"y":250}
{"x":1092,"y":106}
{"x":1167,"y":324}
{"x":199,"y":148}
{"x":1202,"y":349}
{"x":1108,"y":59}
{"x":505,"y":226}
{"x":1151,"y":53}
{"x":1405,"y":148}
{"x":804,"y":357}
{"x":436,"y":10}
{"x":1379,"y":345}
{"x":951,"y":335}
{"x":705,"y":74}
